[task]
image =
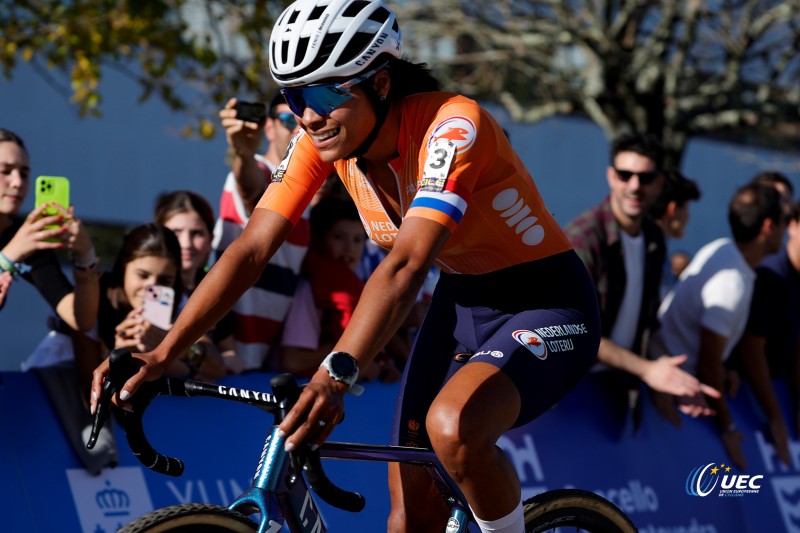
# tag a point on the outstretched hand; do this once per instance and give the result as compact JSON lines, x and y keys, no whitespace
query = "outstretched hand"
{"x":665,"y":375}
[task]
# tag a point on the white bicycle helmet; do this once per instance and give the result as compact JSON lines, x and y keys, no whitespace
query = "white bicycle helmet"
{"x":314,"y":40}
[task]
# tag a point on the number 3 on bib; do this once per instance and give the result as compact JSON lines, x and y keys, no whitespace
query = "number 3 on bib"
{"x":437,"y":165}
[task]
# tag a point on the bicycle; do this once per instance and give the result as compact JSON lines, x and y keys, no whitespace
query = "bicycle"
{"x":279,"y":492}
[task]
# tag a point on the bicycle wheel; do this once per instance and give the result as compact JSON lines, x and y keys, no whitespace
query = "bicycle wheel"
{"x":192,"y":518}
{"x":573,"y":508}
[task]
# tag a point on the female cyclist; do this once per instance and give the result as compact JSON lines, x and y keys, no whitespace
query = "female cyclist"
{"x":435,"y":180}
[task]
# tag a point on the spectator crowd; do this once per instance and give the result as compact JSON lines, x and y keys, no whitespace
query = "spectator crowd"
{"x":677,"y":330}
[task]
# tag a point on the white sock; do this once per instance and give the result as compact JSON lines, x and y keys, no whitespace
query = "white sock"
{"x":514,"y":522}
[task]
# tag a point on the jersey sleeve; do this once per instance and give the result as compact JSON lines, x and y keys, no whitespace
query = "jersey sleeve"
{"x":296,"y":179}
{"x":460,"y":146}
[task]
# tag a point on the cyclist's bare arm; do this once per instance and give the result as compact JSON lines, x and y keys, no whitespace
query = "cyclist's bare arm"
{"x":235,"y":272}
{"x":381,"y":310}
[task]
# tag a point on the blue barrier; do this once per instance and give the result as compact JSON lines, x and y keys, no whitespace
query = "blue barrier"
{"x":585,"y":441}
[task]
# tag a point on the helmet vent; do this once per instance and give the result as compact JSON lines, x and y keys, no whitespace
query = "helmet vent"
{"x":284,"y":48}
{"x":356,"y":46}
{"x":316,"y":12}
{"x":328,"y":43}
{"x":380,"y":15}
{"x":302,"y":45}
{"x":354,"y":9}
{"x":293,"y":17}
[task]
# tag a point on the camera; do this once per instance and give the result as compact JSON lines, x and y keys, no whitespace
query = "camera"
{"x":251,"y":112}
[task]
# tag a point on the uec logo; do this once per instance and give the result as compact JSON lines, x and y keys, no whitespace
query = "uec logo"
{"x":703,"y":480}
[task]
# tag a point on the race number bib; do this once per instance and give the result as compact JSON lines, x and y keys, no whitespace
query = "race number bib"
{"x":437,"y":166}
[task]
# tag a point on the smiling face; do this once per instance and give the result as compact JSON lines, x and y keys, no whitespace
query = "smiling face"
{"x":631,"y":199}
{"x":195,"y":240}
{"x":144,"y":271}
{"x":14,"y":177}
{"x":340,"y":133}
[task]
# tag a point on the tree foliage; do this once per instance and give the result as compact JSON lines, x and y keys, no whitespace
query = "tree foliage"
{"x":677,"y":69}
{"x":192,"y":54}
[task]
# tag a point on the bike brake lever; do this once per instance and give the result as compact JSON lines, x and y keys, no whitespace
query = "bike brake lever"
{"x":120,"y":368}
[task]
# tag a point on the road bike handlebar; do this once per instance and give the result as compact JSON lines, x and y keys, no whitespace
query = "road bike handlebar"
{"x":122,"y":366}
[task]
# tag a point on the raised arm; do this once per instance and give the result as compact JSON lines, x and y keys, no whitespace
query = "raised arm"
{"x":244,"y":138}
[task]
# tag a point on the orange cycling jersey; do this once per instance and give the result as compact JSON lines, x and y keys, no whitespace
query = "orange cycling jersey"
{"x":455,"y":167}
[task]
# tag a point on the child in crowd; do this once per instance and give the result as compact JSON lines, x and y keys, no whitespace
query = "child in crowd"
{"x":328,"y":291}
{"x":150,"y":255}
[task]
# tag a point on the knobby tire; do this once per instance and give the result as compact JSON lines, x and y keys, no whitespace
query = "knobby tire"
{"x":192,"y":518}
{"x":573,"y":508}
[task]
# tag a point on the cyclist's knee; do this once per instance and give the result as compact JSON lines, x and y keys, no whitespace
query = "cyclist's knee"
{"x":452,"y":436}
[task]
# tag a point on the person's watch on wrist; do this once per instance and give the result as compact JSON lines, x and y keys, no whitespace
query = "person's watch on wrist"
{"x":343,"y":367}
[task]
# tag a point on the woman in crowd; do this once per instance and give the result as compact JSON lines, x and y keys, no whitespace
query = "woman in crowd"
{"x":27,"y":248}
{"x":191,"y":219}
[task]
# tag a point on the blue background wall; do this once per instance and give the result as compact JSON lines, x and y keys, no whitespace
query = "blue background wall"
{"x":582,"y":442}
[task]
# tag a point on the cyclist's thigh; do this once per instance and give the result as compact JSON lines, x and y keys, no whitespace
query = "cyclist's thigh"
{"x":545,"y":352}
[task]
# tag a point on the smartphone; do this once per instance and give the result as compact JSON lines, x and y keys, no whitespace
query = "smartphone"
{"x":251,"y":111}
{"x":52,"y":189}
{"x":158,"y":303}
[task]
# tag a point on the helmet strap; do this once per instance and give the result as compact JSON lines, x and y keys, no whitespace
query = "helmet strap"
{"x":380,"y":105}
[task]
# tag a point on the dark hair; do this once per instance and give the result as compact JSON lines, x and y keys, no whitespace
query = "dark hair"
{"x":771,"y":177}
{"x":8,"y":136}
{"x":276,"y":100}
{"x":750,"y":206}
{"x":172,"y":203}
{"x":643,"y":144}
{"x":143,"y":241}
{"x":677,"y":188}
{"x":328,"y":211}
{"x":410,"y":78}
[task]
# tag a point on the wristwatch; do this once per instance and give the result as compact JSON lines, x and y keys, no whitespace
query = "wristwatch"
{"x":343,"y":367}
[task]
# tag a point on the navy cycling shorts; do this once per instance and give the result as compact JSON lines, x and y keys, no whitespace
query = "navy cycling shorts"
{"x":538,"y":322}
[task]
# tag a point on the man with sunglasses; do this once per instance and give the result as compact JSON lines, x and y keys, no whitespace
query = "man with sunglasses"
{"x":624,"y":252}
{"x":259,"y":313}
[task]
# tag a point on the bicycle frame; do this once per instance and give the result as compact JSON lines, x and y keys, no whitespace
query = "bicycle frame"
{"x":276,"y":489}
{"x":279,"y":492}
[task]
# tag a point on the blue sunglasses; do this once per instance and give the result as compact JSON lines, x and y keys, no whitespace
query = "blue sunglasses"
{"x":322,"y":98}
{"x":288,"y":120}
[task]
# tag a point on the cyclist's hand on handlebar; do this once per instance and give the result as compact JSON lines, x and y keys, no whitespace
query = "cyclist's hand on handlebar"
{"x":318,"y":409}
{"x":150,"y":369}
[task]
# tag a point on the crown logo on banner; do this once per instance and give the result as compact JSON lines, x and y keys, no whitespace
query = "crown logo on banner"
{"x":113,"y":502}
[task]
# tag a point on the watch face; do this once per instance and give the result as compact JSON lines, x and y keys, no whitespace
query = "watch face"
{"x":343,"y":365}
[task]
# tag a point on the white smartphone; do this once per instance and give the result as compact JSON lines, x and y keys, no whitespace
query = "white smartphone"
{"x":158,"y":303}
